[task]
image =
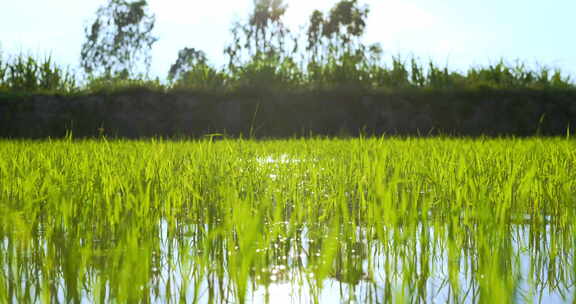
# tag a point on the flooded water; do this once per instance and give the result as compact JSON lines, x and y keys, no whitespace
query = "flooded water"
{"x":426,"y":264}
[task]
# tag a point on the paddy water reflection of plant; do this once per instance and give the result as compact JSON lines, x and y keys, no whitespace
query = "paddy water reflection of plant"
{"x":365,"y":220}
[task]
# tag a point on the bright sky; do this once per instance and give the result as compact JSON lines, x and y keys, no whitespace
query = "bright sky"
{"x":460,"y":33}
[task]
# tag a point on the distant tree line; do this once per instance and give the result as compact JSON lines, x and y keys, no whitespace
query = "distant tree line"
{"x":264,"y":54}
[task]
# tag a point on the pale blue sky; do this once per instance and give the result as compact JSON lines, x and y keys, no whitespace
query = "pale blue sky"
{"x":461,"y":32}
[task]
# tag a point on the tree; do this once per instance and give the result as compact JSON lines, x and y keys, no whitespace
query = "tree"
{"x":266,"y":23}
{"x":336,"y":53}
{"x":263,"y":49}
{"x":188,"y":59}
{"x":191,"y":70}
{"x":119,"y":41}
{"x":263,"y":36}
{"x":314,"y":34}
{"x":340,"y":30}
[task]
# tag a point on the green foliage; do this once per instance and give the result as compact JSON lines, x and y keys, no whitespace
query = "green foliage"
{"x":268,"y":73}
{"x":266,"y":25}
{"x":109,"y":84}
{"x":192,"y":71}
{"x":263,"y":55}
{"x":119,"y":40}
{"x":344,"y":26}
{"x":188,"y":59}
{"x":28,"y":74}
{"x":3,"y":70}
{"x":335,"y":54}
{"x":262,"y":52}
{"x":501,"y":76}
{"x":202,"y":78}
{"x":368,"y":220}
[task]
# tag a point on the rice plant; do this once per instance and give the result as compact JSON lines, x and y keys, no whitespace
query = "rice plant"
{"x":377,"y":220}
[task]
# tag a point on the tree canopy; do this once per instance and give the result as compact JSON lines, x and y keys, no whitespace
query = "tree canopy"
{"x":119,"y":40}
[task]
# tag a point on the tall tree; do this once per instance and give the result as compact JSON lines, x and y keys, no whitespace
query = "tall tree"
{"x":188,"y":59}
{"x":119,"y":42}
{"x":263,"y":36}
{"x":339,"y":31}
{"x":335,"y":50}
{"x":266,"y":23}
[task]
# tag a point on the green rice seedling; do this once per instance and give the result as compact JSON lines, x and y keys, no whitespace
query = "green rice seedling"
{"x":318,"y":220}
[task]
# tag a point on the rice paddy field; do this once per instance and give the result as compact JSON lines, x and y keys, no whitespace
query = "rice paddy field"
{"x":367,"y":220}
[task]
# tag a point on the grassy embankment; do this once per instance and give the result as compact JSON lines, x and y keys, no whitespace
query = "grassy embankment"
{"x":333,"y":220}
{"x":260,"y":99}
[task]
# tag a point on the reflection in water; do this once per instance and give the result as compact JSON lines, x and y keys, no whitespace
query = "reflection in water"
{"x":425,"y":262}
